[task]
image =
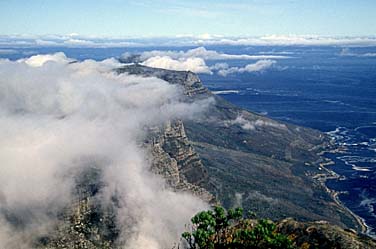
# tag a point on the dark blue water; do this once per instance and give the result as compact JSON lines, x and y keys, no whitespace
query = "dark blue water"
{"x":318,"y":87}
{"x":322,"y":89}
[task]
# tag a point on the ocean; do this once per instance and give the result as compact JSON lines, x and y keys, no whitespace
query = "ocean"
{"x":329,"y":88}
{"x":332,"y":89}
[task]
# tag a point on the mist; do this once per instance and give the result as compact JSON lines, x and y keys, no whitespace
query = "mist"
{"x":56,"y":115}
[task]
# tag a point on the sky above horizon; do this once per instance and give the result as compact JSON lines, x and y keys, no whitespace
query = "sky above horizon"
{"x":120,"y":18}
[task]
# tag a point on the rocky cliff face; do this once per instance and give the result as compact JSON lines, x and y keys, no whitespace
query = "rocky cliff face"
{"x":174,"y":157}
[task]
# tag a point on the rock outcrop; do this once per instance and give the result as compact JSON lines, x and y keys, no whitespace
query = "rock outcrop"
{"x":322,"y":235}
{"x":189,"y":81}
{"x":174,"y":157}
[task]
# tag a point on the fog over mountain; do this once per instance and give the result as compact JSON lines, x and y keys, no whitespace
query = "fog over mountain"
{"x":195,"y":59}
{"x":59,"y":117}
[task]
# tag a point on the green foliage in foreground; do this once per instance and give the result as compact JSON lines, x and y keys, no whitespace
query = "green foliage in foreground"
{"x":220,"y":229}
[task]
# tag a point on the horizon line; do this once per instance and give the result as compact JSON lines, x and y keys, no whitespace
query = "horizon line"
{"x":77,"y":40}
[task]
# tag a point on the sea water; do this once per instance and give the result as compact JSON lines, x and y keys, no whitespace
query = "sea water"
{"x":325,"y":88}
{"x":332,"y":89}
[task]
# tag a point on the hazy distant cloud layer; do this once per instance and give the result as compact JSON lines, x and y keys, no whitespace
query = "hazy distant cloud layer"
{"x":348,"y":52}
{"x":76,"y":40}
{"x":289,"y":40}
{"x":8,"y":51}
{"x":59,"y":116}
{"x":205,"y":54}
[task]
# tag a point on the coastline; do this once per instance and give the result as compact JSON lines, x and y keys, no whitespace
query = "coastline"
{"x":363,"y":225}
{"x":330,"y":174}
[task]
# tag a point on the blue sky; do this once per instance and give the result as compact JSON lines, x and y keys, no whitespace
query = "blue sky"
{"x":121,"y":18}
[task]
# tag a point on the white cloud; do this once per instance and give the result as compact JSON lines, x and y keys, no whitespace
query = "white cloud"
{"x":71,"y":40}
{"x":77,"y":40}
{"x":207,"y":36}
{"x":42,"y":42}
{"x":219,"y":66}
{"x":261,"y":123}
{"x":253,"y":125}
{"x":290,"y":40}
{"x":57,"y":118}
{"x":369,"y":55}
{"x":348,"y":52}
{"x":259,"y":66}
{"x":205,"y":54}
{"x":196,"y":65}
{"x":40,"y":60}
{"x":194,"y":60}
{"x":244,"y":123}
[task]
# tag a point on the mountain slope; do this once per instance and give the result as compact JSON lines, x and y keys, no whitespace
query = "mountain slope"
{"x":251,"y":160}
{"x":228,"y":155}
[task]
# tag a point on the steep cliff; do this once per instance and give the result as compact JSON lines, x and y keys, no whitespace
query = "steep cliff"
{"x":174,"y":157}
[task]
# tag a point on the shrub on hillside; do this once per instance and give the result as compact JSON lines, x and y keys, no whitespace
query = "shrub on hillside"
{"x":220,"y":229}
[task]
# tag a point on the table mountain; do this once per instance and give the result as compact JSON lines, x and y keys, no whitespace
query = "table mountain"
{"x":230,"y":156}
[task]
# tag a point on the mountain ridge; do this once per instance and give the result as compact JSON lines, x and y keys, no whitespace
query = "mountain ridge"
{"x":228,"y":155}
{"x":271,"y":153}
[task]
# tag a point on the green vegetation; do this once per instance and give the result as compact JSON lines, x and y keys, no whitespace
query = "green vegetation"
{"x":220,"y":229}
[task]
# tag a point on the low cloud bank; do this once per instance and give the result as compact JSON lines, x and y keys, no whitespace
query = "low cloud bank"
{"x":253,"y":125}
{"x":39,"y":60}
{"x":195,"y":60}
{"x":196,"y":65}
{"x":223,"y":69}
{"x":203,"y":53}
{"x":58,"y":116}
